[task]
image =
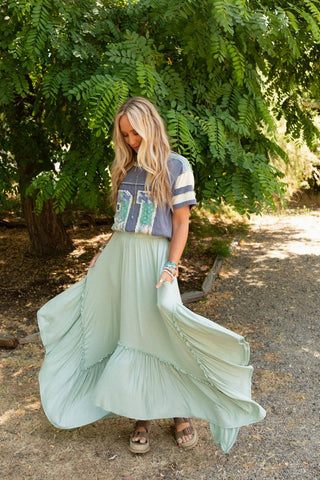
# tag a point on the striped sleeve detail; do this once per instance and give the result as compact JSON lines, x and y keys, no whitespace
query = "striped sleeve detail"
{"x":186,"y":198}
{"x":184,"y":180}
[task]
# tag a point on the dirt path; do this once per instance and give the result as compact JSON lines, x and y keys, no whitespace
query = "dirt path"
{"x":274,"y":281}
{"x":269,"y":292}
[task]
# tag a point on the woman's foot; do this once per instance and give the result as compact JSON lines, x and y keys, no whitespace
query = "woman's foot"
{"x":139,"y":438}
{"x":185,"y":434}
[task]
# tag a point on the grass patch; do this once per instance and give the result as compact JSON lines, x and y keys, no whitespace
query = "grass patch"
{"x":212,"y":233}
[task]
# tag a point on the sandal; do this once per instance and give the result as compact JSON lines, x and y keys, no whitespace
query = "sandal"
{"x":141,"y":430}
{"x":190,"y":430}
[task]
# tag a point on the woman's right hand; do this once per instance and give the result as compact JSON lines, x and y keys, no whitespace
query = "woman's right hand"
{"x":93,"y":261}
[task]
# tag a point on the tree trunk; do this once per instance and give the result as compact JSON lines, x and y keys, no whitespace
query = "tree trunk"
{"x":32,"y":147}
{"x":46,"y":230}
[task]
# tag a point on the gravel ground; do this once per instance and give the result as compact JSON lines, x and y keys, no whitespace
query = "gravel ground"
{"x":269,"y":292}
{"x":273,"y":281}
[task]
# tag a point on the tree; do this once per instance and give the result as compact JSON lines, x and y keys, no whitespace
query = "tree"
{"x":216,"y":70}
{"x":46,"y":48}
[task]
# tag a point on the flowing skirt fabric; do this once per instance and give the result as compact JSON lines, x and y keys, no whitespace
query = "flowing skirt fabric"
{"x":117,"y":345}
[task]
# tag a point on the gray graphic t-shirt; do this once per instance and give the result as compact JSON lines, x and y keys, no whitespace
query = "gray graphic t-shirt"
{"x":135,"y":210}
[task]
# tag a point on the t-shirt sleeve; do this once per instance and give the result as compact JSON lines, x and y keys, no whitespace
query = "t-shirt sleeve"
{"x":183,"y":187}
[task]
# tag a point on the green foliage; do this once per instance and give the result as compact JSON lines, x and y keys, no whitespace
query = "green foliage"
{"x":218,"y":71}
{"x":42,"y":188}
{"x":220,"y":247}
{"x":215,"y":232}
{"x":103,"y":95}
{"x":8,"y":179}
{"x":300,"y":167}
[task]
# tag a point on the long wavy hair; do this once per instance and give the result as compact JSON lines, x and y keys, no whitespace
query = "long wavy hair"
{"x":152,"y":155}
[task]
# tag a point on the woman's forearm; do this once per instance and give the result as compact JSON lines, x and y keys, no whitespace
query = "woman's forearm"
{"x":180,"y":229}
{"x":178,"y":242}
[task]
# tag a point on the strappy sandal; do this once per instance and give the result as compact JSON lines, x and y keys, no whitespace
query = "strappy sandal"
{"x":136,"y":446}
{"x":186,"y":431}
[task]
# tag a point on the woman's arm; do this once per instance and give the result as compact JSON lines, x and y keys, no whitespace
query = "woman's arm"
{"x":180,"y":230}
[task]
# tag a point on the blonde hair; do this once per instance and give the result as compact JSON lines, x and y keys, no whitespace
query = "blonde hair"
{"x":152,"y":155}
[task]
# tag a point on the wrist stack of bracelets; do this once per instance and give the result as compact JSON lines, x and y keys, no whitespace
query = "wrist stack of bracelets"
{"x":172,"y":269}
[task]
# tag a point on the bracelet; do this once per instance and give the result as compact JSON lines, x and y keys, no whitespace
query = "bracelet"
{"x":169,"y":272}
{"x":173,"y":267}
{"x":169,"y":264}
{"x":102,"y":247}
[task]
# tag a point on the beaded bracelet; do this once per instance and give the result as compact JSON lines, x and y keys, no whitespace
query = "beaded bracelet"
{"x":102,"y":247}
{"x":169,"y":273}
{"x":172,"y":267}
{"x":169,"y":264}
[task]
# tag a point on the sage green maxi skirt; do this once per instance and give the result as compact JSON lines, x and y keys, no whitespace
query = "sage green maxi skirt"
{"x":117,"y":345}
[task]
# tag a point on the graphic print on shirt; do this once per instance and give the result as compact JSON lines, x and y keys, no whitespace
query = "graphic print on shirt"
{"x":147,"y":213}
{"x":124,"y":202}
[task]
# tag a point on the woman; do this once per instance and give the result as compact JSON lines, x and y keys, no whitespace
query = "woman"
{"x":120,"y":341}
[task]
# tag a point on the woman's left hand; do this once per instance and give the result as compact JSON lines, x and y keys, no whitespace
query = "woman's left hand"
{"x":165,"y":277}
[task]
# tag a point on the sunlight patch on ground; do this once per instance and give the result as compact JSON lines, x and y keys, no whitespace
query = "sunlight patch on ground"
{"x":315,"y":353}
{"x":18,"y":373}
{"x":94,"y":242}
{"x":253,"y":281}
{"x":13,"y":414}
{"x":9,"y":414}
{"x":78,"y":252}
{"x":300,"y":239}
{"x":291,"y":248}
{"x":33,"y":406}
{"x":98,"y":239}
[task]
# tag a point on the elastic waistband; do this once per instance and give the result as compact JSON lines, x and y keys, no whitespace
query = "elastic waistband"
{"x":142,"y":236}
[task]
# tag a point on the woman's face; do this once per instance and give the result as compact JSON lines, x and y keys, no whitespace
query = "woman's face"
{"x":131,"y":137}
